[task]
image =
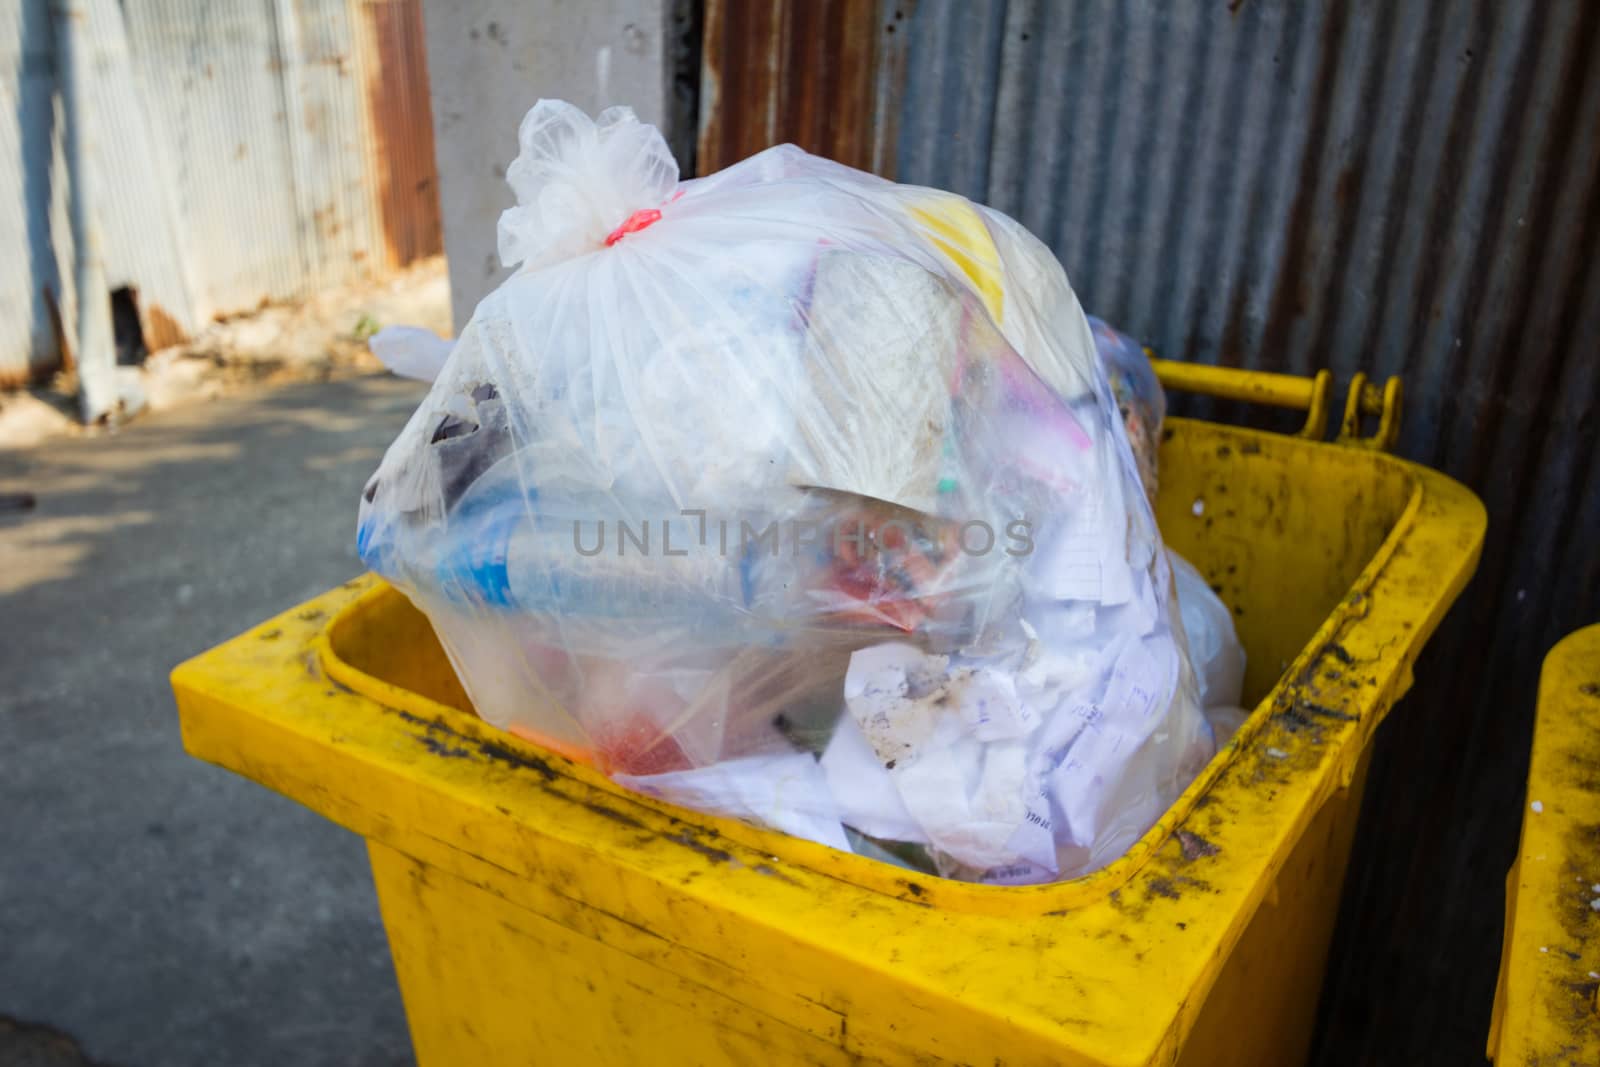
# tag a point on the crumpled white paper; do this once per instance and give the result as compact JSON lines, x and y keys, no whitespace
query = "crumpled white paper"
{"x":786,"y":792}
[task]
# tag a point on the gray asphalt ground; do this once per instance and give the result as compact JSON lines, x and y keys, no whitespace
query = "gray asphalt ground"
{"x":154,"y":909}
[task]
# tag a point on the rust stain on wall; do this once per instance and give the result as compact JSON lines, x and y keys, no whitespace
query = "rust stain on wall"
{"x":800,"y":71}
{"x":401,"y":130}
{"x":161,"y":330}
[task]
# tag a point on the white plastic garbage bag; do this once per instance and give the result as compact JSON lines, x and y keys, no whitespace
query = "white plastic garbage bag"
{"x":1214,"y":648}
{"x":1138,"y":394}
{"x":797,"y":495}
{"x":411,"y":351}
{"x":1225,"y":720}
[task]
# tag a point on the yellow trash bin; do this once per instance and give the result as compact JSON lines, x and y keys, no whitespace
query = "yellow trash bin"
{"x":1545,"y":1007}
{"x":540,"y":914}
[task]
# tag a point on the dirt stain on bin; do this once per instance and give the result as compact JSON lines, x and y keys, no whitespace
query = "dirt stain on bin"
{"x":465,"y":746}
{"x":1194,"y":846}
{"x":694,"y":844}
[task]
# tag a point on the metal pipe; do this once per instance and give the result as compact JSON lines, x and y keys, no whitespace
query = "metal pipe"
{"x":96,"y":349}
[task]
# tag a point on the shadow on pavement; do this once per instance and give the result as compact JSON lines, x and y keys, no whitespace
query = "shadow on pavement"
{"x":159,"y":910}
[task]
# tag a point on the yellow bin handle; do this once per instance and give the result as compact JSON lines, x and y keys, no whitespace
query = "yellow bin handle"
{"x":1311,"y":395}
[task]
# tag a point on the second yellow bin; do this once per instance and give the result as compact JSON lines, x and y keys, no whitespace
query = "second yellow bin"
{"x":1547,"y":1002}
{"x":540,"y":914}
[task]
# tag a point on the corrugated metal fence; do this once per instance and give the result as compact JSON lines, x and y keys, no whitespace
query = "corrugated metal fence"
{"x":249,"y":150}
{"x":1398,"y":188}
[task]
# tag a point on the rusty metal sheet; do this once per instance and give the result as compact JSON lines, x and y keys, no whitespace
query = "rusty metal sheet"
{"x":257,"y":150}
{"x":139,"y":247}
{"x":400,"y":162}
{"x":1407,"y":188}
{"x":801,"y":71}
{"x":28,"y":142}
{"x":216,"y":78}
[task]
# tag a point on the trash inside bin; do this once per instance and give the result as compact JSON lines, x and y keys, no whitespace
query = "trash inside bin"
{"x":538,"y":912}
{"x":1547,"y":1003}
{"x":798,"y":495}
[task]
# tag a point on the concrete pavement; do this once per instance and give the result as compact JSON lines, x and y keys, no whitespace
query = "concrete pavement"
{"x":156,"y":909}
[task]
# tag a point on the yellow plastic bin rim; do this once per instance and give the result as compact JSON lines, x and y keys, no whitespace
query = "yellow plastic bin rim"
{"x":1152,"y":929}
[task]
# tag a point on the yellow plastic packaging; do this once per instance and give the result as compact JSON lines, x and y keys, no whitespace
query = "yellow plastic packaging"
{"x":1545,"y":1007}
{"x":539,"y":913}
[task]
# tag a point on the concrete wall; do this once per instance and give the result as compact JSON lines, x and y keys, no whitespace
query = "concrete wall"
{"x":487,"y":68}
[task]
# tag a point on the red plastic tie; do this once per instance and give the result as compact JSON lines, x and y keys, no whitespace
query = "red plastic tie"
{"x":633,"y":224}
